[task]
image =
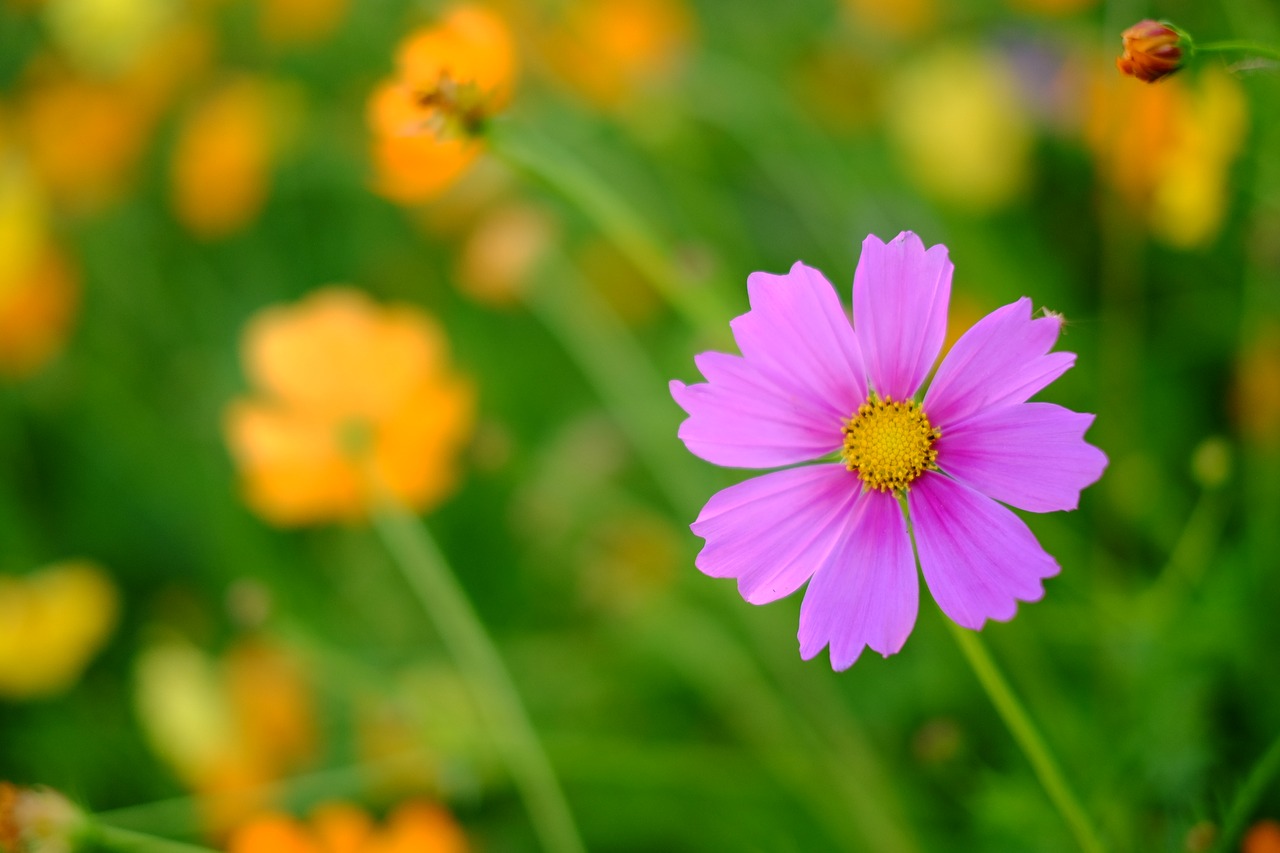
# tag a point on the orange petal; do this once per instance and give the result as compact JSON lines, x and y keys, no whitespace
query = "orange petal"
{"x":292,"y":467}
{"x":341,"y":827}
{"x":272,"y":833}
{"x":470,"y":45}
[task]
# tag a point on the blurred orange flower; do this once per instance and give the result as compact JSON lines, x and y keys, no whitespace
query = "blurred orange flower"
{"x":414,"y":827}
{"x":607,"y":49}
{"x":228,"y":728}
{"x":1168,"y":149}
{"x":52,"y":623}
{"x":39,"y":288}
{"x":1262,"y":837}
{"x":221,"y":161}
{"x":354,"y":399}
{"x":83,"y":137}
{"x":449,"y":80}
{"x":37,"y":308}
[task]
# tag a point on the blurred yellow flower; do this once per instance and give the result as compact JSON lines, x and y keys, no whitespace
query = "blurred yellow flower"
{"x":450,"y":78}
{"x":961,"y":134}
{"x":220,"y":165}
{"x":1168,"y":149}
{"x":52,"y":622}
{"x":606,"y":50}
{"x":104,"y":36}
{"x":23,"y":216}
{"x":413,"y":827}
{"x":227,"y":727}
{"x":353,"y":398}
{"x":300,"y":21}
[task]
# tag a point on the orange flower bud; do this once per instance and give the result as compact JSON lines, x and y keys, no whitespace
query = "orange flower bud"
{"x":1151,"y":50}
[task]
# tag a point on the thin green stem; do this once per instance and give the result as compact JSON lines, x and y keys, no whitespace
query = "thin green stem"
{"x":1028,"y":738}
{"x":128,"y":841}
{"x":618,"y":370}
{"x":590,"y":194}
{"x":1238,"y":47}
{"x":849,"y":781}
{"x":1263,"y":774}
{"x":477,"y":657}
{"x":835,"y":783}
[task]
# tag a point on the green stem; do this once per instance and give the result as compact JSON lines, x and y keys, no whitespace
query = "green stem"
{"x":1264,"y":772}
{"x":1238,"y":47}
{"x":128,"y":841}
{"x":853,"y":784}
{"x":1028,"y":738}
{"x":563,"y":171}
{"x":620,"y":373}
{"x":428,"y":573}
{"x":827,"y":778}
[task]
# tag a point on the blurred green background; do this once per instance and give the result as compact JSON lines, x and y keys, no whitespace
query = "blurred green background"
{"x":652,"y":154}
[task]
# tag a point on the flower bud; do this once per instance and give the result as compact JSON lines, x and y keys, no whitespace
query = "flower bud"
{"x":1152,"y":50}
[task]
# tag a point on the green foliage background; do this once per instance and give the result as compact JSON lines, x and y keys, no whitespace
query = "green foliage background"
{"x":679,"y":717}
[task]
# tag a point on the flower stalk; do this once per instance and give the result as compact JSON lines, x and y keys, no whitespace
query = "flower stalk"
{"x":481,"y":665}
{"x":128,"y":841}
{"x":693,"y":300}
{"x":1028,"y":738}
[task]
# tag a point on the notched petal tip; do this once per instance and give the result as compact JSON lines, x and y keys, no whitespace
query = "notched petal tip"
{"x":678,"y":391}
{"x":900,"y":296}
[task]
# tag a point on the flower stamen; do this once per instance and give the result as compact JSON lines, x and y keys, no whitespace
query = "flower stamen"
{"x":889,"y":443}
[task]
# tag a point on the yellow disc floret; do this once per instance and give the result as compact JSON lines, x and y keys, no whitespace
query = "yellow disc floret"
{"x":889,"y":443}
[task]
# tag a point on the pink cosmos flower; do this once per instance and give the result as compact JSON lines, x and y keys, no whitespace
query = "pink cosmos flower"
{"x":811,"y":387}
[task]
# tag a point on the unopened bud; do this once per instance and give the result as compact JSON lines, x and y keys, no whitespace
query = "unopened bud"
{"x":1152,"y":49}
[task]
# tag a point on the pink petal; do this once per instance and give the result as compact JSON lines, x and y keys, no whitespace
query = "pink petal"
{"x":774,"y":531}
{"x":1032,"y":456}
{"x":900,"y":295}
{"x":784,"y":400}
{"x":867,"y":592}
{"x":1003,"y":359}
{"x":978,"y":558}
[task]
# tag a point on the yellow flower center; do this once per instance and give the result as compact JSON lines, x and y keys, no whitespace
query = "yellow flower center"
{"x":889,"y":443}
